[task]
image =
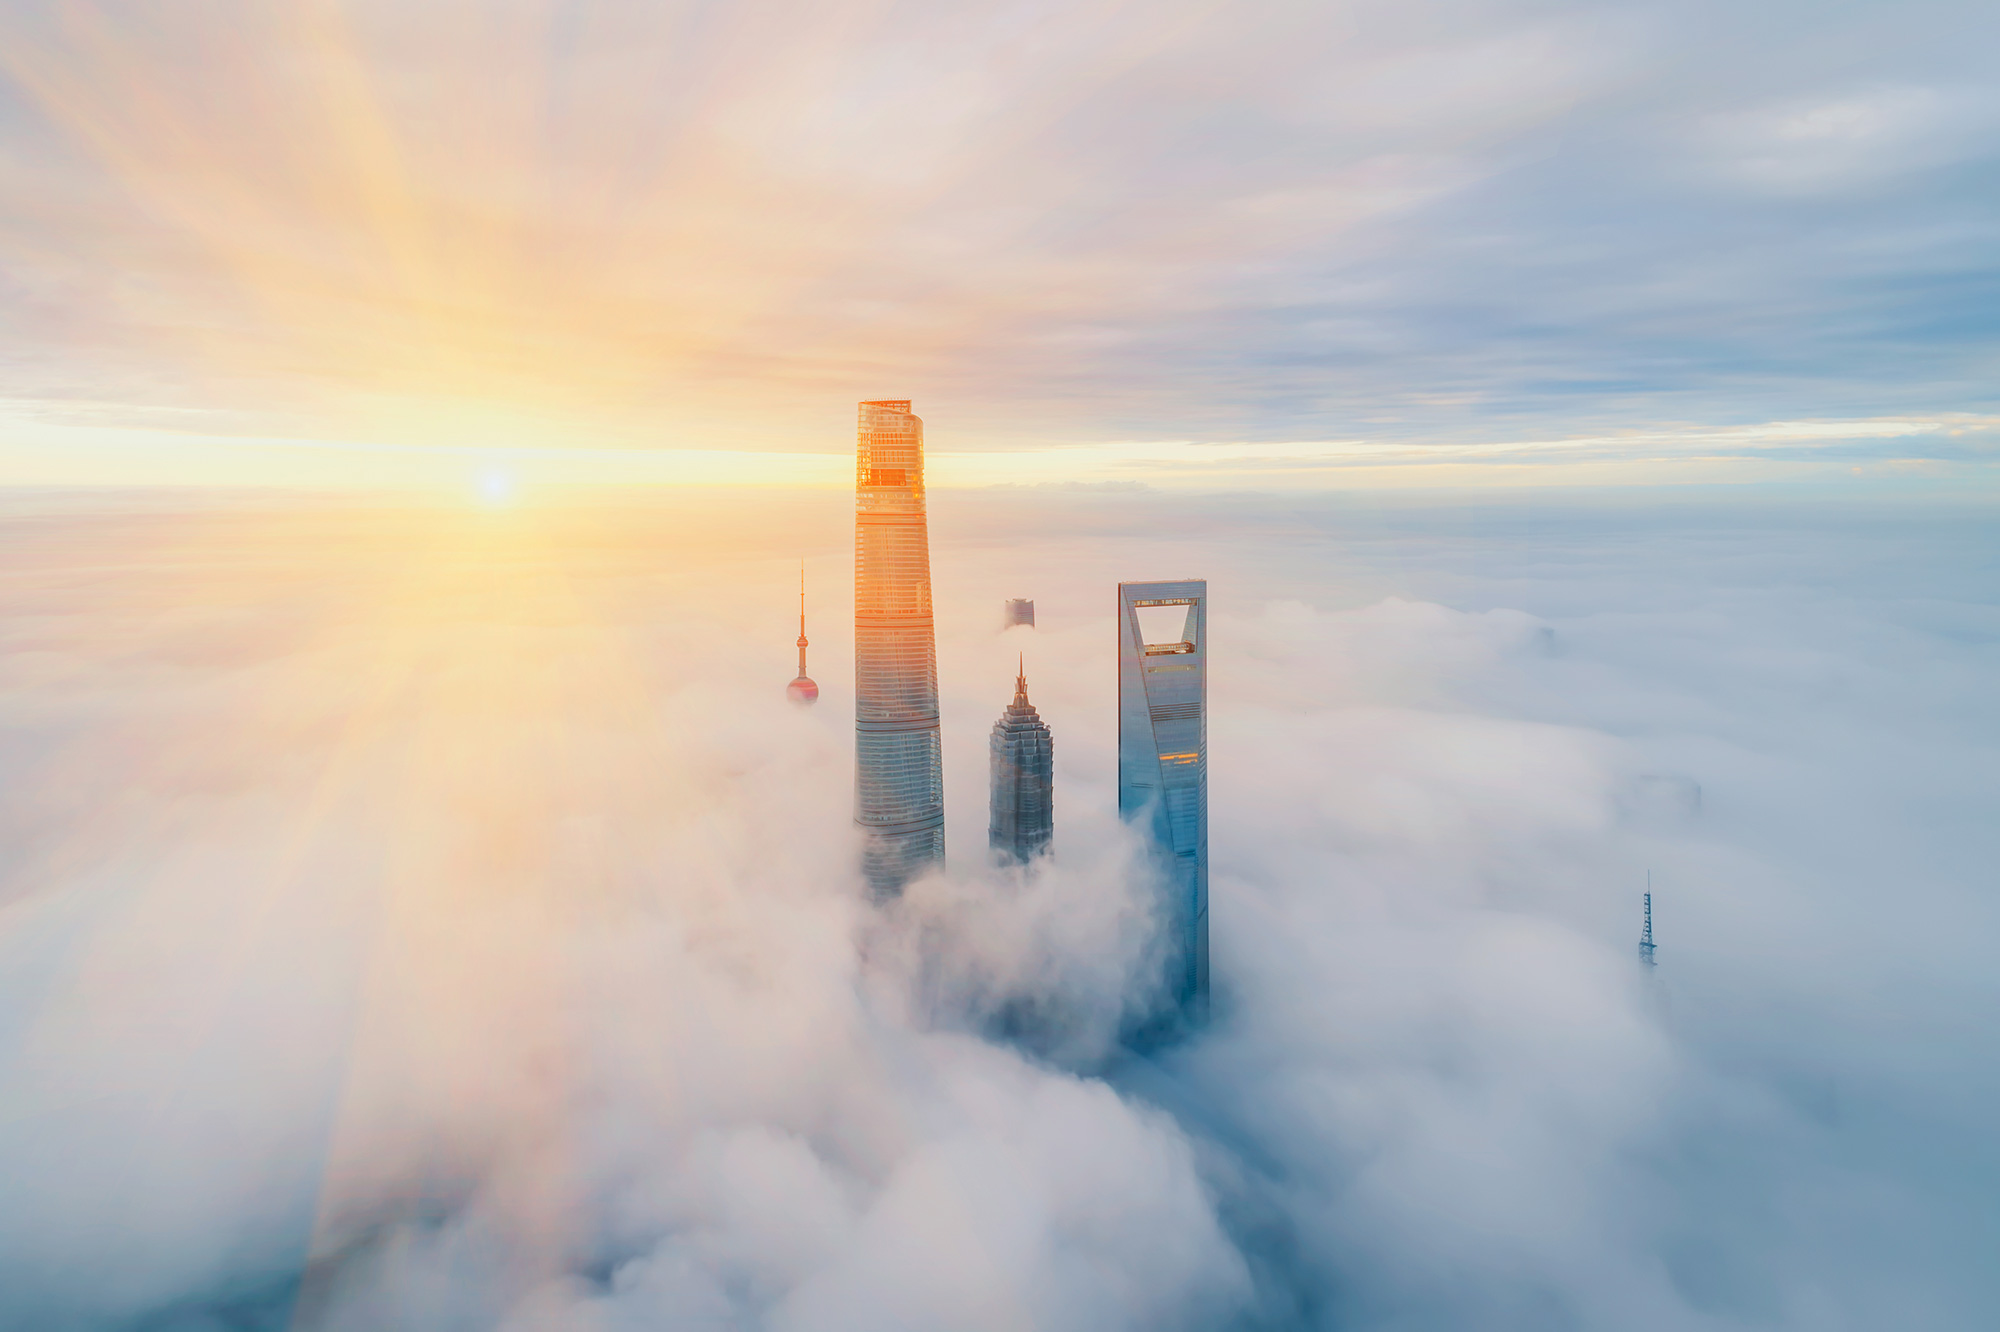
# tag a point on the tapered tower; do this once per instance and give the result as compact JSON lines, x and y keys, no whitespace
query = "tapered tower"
{"x":802,"y":690}
{"x":1163,"y":760}
{"x":899,"y":769}
{"x":1023,"y":816}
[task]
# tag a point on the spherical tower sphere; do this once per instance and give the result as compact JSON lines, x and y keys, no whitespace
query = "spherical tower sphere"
{"x":802,"y":690}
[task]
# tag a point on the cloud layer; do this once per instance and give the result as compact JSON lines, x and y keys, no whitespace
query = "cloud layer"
{"x":592,"y":221}
{"x":433,"y":921}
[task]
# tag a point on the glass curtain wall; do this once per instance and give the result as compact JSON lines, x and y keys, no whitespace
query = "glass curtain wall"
{"x":899,"y":769}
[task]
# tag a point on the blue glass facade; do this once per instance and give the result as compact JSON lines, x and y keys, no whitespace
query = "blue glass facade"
{"x":1163,"y":758}
{"x":899,"y":768}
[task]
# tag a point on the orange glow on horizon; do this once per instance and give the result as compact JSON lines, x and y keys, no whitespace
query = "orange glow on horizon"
{"x":361,"y":255}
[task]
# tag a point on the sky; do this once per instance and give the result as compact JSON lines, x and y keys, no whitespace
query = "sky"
{"x":437,"y":918}
{"x":1183,"y":244}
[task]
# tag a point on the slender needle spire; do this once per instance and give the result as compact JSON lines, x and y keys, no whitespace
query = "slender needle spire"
{"x":802,"y":690}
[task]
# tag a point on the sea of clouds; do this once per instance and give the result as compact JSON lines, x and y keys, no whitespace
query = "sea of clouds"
{"x":438,"y":920}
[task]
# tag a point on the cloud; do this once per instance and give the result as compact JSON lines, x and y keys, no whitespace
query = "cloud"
{"x":612,"y":224}
{"x":1823,"y":145}
{"x":426,"y":919}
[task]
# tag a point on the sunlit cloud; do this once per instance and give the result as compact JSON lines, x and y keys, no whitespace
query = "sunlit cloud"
{"x":612,"y":225}
{"x":419,"y":916}
{"x":1961,"y":448}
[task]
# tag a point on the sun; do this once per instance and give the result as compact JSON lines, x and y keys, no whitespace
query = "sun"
{"x":496,"y":488}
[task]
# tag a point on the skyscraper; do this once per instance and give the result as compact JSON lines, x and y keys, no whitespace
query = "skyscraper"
{"x":1646,"y":948}
{"x":899,"y":771}
{"x":802,"y":690}
{"x":1023,"y":781}
{"x":1163,"y":758}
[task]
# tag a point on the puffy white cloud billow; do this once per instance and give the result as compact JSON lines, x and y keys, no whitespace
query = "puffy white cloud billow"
{"x":433,"y":921}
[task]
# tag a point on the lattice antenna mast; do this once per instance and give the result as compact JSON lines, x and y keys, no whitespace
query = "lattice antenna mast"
{"x":802,"y":617}
{"x":1646,"y":939}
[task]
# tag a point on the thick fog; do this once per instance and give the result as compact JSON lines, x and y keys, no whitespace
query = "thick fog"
{"x":432,"y":919}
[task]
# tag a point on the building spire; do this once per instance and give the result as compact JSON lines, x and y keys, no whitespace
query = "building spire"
{"x":802,"y":690}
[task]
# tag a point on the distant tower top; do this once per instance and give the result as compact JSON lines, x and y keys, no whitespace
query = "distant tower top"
{"x":1646,"y":939}
{"x":802,"y":690}
{"x":1020,"y":610}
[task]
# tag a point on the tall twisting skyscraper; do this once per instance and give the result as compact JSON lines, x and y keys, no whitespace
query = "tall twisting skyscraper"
{"x":1163,"y":757}
{"x":1023,"y":781}
{"x":899,"y":772}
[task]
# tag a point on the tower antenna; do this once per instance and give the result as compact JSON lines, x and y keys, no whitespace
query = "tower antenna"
{"x":802,"y":690}
{"x":1646,"y":939}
